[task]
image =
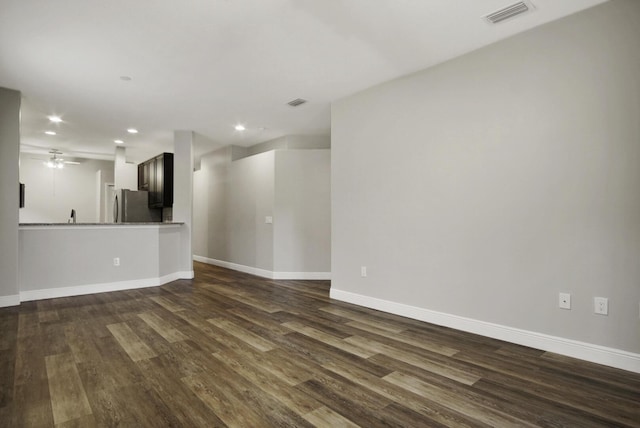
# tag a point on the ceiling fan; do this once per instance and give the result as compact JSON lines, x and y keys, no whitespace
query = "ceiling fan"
{"x":57,"y":162}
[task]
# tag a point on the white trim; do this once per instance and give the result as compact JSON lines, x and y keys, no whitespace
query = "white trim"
{"x":263,"y":272}
{"x":181,"y":275}
{"x":80,"y":290}
{"x":6,"y":301}
{"x":572,"y":348}
{"x":240,"y":268}
{"x":310,"y":276}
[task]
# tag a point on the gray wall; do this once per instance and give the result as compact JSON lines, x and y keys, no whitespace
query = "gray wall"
{"x":231,"y":201}
{"x":211,"y":197}
{"x":182,"y":209}
{"x":9,"y":154}
{"x":250,"y":201}
{"x":290,"y":142}
{"x":486,"y":185}
{"x":80,"y":256}
{"x":302,"y":225}
{"x":125,"y":174}
{"x":52,"y":193}
{"x":233,"y":197}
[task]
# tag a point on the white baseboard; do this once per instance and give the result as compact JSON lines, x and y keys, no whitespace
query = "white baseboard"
{"x":80,"y":290}
{"x":6,"y":301}
{"x":240,"y":268}
{"x":263,"y":272}
{"x":585,"y":351}
{"x":310,"y":276}
{"x":187,"y":274}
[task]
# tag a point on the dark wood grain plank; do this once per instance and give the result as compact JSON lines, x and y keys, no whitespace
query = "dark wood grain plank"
{"x":130,"y":342}
{"x":68,"y":398}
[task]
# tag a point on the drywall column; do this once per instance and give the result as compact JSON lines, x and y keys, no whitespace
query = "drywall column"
{"x":9,"y":179}
{"x":125,"y":175}
{"x":183,"y":195}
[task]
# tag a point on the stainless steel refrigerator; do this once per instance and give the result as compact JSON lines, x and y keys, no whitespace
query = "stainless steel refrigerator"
{"x":132,"y":206}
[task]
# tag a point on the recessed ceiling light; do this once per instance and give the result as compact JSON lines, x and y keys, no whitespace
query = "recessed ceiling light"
{"x":118,"y":141}
{"x":132,"y":131}
{"x":55,"y":119}
{"x":50,"y":132}
{"x":240,"y":127}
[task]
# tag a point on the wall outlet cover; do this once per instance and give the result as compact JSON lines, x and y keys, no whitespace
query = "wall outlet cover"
{"x":564,"y":301}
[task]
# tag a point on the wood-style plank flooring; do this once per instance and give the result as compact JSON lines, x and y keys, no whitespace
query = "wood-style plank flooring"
{"x":230,"y":349}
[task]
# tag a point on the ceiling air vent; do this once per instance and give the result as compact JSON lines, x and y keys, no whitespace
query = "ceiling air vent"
{"x":296,"y":102}
{"x":509,"y":12}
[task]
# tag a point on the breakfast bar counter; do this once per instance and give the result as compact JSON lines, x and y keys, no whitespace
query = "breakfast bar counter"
{"x":65,"y":259}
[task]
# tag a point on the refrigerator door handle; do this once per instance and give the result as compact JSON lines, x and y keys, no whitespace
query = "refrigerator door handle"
{"x":115,"y":209}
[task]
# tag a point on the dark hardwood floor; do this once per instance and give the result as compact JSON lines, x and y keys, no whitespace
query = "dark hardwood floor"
{"x":229,"y":349}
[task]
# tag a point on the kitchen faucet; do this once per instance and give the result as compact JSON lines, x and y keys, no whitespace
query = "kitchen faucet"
{"x":73,"y":216}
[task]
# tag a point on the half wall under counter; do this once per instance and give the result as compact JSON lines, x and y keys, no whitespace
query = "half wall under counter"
{"x":66,"y":259}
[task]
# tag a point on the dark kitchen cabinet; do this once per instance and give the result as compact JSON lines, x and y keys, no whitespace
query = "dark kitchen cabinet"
{"x":144,"y":176}
{"x":156,"y":177}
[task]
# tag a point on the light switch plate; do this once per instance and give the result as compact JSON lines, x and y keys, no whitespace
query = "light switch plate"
{"x":601,"y":305}
{"x":268,"y":219}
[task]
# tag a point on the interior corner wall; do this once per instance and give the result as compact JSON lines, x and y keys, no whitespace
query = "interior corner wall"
{"x":233,"y":198}
{"x":302,"y":213}
{"x":290,"y":142}
{"x":9,"y":203}
{"x":231,"y":201}
{"x":308,"y":142}
{"x":211,"y":190}
{"x":483,"y":187}
{"x":250,"y":202}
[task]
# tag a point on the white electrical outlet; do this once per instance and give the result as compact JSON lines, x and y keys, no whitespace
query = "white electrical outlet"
{"x":601,"y":305}
{"x":363,"y":271}
{"x":116,"y":261}
{"x":564,"y":301}
{"x":268,"y":219}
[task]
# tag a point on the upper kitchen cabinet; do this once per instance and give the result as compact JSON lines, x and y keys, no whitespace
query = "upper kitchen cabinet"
{"x":144,"y":175}
{"x":156,"y":177}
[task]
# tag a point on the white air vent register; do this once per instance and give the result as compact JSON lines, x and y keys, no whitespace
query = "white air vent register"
{"x":509,"y":12}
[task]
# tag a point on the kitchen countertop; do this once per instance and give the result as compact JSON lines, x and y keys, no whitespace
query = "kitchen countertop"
{"x":103,"y":224}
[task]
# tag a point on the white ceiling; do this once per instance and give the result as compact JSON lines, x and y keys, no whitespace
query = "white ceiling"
{"x":206,"y":65}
